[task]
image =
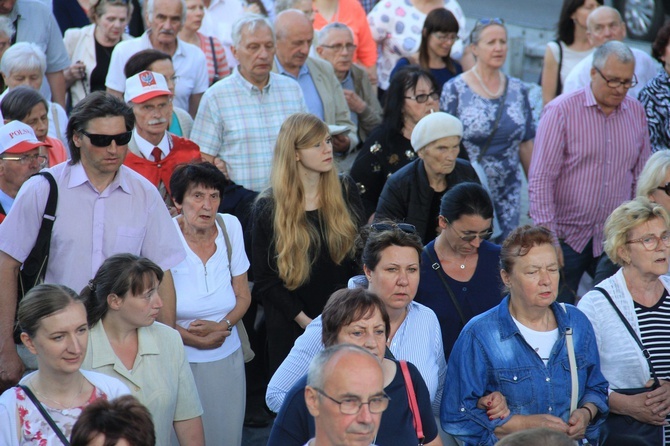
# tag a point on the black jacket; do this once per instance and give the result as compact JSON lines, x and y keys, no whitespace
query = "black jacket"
{"x":407,"y":195}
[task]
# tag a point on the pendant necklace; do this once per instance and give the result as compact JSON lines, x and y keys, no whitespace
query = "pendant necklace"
{"x":64,"y":406}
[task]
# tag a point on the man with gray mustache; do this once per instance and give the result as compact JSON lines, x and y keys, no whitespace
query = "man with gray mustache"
{"x":153,"y":152}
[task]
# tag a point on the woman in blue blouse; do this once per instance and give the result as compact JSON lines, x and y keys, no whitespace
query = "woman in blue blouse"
{"x":519,"y":348}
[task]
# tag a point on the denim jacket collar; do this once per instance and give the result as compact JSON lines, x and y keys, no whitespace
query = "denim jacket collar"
{"x":508,"y":328}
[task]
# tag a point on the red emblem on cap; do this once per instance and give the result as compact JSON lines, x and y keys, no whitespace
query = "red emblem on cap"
{"x":147,"y":79}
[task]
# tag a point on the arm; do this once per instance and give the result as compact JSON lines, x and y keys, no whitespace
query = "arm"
{"x":525,"y":154}
{"x":657,"y":119}
{"x":342,"y":115}
{"x":11,"y":366}
{"x":549,"y":76}
{"x":190,"y":432}
{"x":645,"y":151}
{"x":194,"y":103}
{"x":57,"y":84}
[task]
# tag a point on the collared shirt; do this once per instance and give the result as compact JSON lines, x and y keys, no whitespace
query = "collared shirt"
{"x":239,"y":123}
{"x":161,"y":377}
{"x":6,"y":201}
{"x":584,"y":165}
{"x":491,"y":355}
{"x":90,"y":226}
{"x":418,"y":340}
{"x":655,"y":98}
{"x":189,"y":62}
{"x":309,"y":91}
{"x":145,"y":147}
{"x":348,"y":84}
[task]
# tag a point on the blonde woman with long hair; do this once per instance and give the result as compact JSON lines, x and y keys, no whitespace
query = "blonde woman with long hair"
{"x":303,"y":232}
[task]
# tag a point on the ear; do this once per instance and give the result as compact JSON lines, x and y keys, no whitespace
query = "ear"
{"x":442,"y":222}
{"x":114,"y":302}
{"x":28,"y":343}
{"x":594,"y":74}
{"x":505,"y":277}
{"x":420,"y":152}
{"x":76,"y":139}
{"x":367,"y":271}
{"x":319,"y":50}
{"x":624,"y":254}
{"x":312,"y":401}
{"x":234,"y":51}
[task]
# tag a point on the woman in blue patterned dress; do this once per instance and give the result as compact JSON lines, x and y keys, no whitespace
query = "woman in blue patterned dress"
{"x":497,"y":120}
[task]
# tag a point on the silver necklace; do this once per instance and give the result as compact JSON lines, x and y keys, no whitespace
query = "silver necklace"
{"x":64,"y":406}
{"x":486,"y":90}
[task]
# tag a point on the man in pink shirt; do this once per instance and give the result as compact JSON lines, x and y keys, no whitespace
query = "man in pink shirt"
{"x":590,"y":147}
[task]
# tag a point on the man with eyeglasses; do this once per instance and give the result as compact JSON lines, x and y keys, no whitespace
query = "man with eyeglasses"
{"x":104,"y":208}
{"x":603,"y":25}
{"x":20,"y":158}
{"x":345,"y":395}
{"x":153,"y":151}
{"x":336,"y":45}
{"x":320,"y":88}
{"x":590,"y":148}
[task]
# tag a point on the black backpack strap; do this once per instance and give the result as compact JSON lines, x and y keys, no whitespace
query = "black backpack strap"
{"x":45,"y":414}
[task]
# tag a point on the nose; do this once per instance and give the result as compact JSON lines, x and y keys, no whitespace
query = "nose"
{"x":545,"y":277}
{"x":75,"y":345}
{"x":403,"y":278}
{"x":476,"y":242}
{"x":158,"y":301}
{"x":364,"y":415}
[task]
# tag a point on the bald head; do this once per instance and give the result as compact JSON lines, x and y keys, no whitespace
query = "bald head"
{"x":603,"y":25}
{"x":291,"y":19}
{"x":294,"y":38}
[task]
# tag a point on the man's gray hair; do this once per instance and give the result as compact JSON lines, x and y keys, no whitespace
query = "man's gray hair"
{"x":612,"y":48}
{"x":283,"y":5}
{"x":597,"y":11}
{"x":249,"y":23}
{"x":6,"y":26}
{"x":150,"y":10}
{"x":323,"y":33}
{"x":23,"y":56}
{"x":317,"y":368}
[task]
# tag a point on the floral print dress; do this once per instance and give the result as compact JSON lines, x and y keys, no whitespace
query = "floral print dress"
{"x":501,"y":160}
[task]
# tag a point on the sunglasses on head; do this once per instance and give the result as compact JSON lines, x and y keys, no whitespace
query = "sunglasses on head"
{"x":665,"y":188}
{"x":106,"y":140}
{"x":404,"y":227}
{"x":490,"y":21}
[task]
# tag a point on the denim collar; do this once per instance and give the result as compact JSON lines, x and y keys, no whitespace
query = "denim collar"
{"x":508,"y":328}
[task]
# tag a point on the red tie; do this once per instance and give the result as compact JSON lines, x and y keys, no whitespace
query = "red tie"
{"x":157,"y":154}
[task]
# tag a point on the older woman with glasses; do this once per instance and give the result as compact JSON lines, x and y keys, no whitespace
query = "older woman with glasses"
{"x":497,"y":118}
{"x":630,"y":308}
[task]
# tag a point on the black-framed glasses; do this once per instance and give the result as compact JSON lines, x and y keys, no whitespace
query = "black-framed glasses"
{"x":340,"y":46}
{"x":421,"y":98}
{"x":106,"y":140}
{"x":469,"y":237}
{"x":651,"y":241}
{"x":351,"y":406}
{"x":404,"y":227}
{"x":42,"y":160}
{"x":665,"y":188}
{"x":616,"y":83}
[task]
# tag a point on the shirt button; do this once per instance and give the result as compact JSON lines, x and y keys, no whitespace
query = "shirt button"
{"x":550,"y":409}
{"x":462,"y":409}
{"x":547,"y":379}
{"x":514,"y":378}
{"x":465,"y":288}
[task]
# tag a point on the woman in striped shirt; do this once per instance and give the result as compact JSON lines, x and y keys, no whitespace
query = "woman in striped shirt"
{"x":638,"y":239}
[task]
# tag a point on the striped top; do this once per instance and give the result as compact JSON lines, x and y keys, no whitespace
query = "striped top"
{"x":654,"y":323}
{"x":222,"y":68}
{"x":584,"y":165}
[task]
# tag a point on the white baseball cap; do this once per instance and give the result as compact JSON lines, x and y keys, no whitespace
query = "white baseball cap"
{"x":17,"y":137}
{"x":145,"y":85}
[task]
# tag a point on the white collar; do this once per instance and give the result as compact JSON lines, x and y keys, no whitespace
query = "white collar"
{"x":145,"y":147}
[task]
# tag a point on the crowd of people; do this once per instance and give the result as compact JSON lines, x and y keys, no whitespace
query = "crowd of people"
{"x":308,"y":213}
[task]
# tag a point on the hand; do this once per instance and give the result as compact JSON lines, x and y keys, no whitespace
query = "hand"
{"x":11,"y":367}
{"x":252,"y":8}
{"x":203,"y":328}
{"x":636,"y":406}
{"x":495,"y":405}
{"x":340,"y":143}
{"x":372,"y":74}
{"x":544,"y":420}
{"x":75,"y":72}
{"x":213,"y":340}
{"x":659,"y":399}
{"x":355,"y":103}
{"x":578,"y":422}
{"x":222,"y":166}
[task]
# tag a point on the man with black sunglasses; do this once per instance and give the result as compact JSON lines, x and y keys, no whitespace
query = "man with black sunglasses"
{"x":104,"y":208}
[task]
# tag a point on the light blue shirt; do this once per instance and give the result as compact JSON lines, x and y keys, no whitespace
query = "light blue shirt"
{"x":348,"y":84}
{"x":6,"y":201}
{"x":309,"y":91}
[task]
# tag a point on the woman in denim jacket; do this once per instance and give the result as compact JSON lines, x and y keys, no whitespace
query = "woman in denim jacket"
{"x":519,"y":349}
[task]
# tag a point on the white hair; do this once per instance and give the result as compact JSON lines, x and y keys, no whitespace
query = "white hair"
{"x":612,"y":48}
{"x":249,"y":23}
{"x":23,"y":56}
{"x":323,"y":33}
{"x":150,"y":10}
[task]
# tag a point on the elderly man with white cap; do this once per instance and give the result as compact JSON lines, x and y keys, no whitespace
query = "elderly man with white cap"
{"x":153,"y":152}
{"x":413,"y":193}
{"x":20,"y":157}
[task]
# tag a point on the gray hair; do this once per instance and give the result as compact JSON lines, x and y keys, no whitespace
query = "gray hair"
{"x":476,"y":32}
{"x":23,"y":56}
{"x":597,"y":11}
{"x":283,"y":5}
{"x":612,"y":48}
{"x":249,"y":23}
{"x":317,"y":368}
{"x":654,"y":173}
{"x":6,"y":26}
{"x":323,"y":33}
{"x":150,"y":10}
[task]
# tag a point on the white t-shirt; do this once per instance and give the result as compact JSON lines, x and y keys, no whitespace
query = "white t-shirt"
{"x":205,"y":291}
{"x":541,"y":341}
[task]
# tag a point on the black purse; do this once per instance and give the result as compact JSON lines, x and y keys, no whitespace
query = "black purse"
{"x":623,"y":430}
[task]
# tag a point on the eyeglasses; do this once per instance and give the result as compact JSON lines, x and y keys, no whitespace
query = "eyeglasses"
{"x":421,"y":98}
{"x":448,"y":37}
{"x":28,"y":159}
{"x":404,"y":227}
{"x":651,"y":241}
{"x":340,"y":46}
{"x":351,"y":406}
{"x":616,"y":83}
{"x":484,"y":235}
{"x":106,"y":140}
{"x":665,"y":188}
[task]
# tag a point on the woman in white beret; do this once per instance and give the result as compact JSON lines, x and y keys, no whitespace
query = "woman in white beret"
{"x":413,"y":193}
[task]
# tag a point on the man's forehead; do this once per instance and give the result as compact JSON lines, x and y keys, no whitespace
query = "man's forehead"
{"x":605,"y":18}
{"x":338,"y":35}
{"x":260,"y":34}
{"x":166,"y":6}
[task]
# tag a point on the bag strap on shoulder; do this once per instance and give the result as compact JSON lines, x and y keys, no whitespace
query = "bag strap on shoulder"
{"x":413,"y":404}
{"x":437,"y":267}
{"x":46,"y":415}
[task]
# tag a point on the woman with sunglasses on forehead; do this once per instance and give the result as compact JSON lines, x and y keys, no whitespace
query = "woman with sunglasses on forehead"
{"x":637,"y":239}
{"x":460,"y":276}
{"x":497,"y":120}
{"x":413,"y":193}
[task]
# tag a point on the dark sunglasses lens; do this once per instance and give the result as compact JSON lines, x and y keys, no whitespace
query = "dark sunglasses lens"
{"x":105,"y":140}
{"x":486,"y":235}
{"x":406,"y":227}
{"x":421,"y":98}
{"x":123,"y":138}
{"x":666,"y":189}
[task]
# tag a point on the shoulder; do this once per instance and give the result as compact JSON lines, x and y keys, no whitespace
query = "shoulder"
{"x":425,"y":314}
{"x":74,"y":34}
{"x":184,"y":143}
{"x":464,"y":167}
{"x":108,"y":384}
{"x":321,"y":66}
{"x":192,"y":52}
{"x":484,"y":323}
{"x":405,"y":173}
{"x":32,"y":7}
{"x":232,"y":223}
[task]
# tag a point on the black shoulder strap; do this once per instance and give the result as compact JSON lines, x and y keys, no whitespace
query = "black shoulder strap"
{"x":437,"y":267}
{"x":46,"y":415}
{"x":216,"y":67}
{"x":559,"y":85}
{"x":645,"y":352}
